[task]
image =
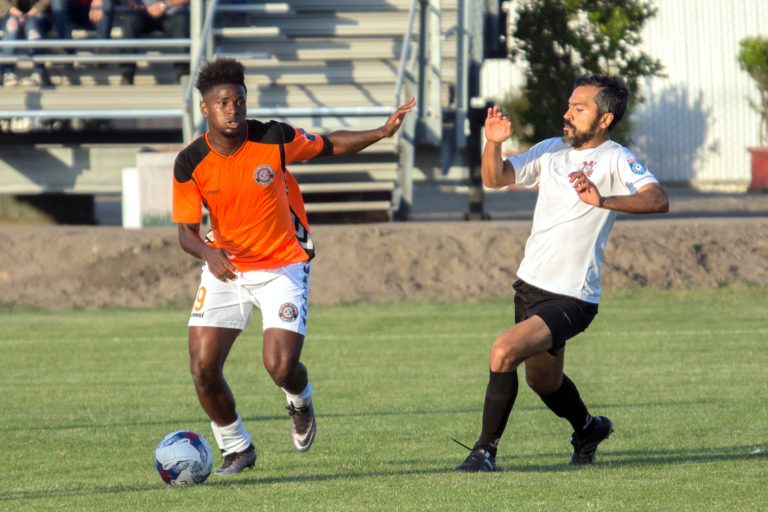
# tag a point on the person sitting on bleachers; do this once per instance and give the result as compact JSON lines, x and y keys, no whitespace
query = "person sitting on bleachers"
{"x":171,"y":17}
{"x":94,"y":15}
{"x":30,"y":18}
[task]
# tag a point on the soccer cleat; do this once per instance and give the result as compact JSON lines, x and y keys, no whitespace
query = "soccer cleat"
{"x":303,"y":426}
{"x":584,"y":449}
{"x":236,"y":462}
{"x":479,"y":460}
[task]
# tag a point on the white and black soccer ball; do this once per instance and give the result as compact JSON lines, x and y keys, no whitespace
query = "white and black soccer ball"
{"x":183,"y":458}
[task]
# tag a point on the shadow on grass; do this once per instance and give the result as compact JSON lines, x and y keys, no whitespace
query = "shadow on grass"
{"x":213,"y":481}
{"x":174,"y":423}
{"x":608,"y":460}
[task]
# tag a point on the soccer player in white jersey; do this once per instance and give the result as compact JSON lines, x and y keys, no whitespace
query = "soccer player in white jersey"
{"x":583,"y":178}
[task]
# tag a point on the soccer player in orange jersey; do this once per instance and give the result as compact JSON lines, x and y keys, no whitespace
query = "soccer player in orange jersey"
{"x":258,"y":251}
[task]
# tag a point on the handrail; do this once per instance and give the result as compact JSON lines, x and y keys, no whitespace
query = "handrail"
{"x":197,"y":60}
{"x":98,"y":58}
{"x":404,"y":51}
{"x":99,"y":43}
{"x":256,"y":8}
{"x":117,"y":113}
{"x":265,"y":112}
{"x":164,"y":113}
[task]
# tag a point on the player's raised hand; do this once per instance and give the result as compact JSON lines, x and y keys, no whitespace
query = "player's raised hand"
{"x":396,"y":119}
{"x":498,"y":127}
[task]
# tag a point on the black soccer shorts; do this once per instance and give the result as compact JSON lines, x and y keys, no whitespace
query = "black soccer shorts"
{"x":565,"y":316}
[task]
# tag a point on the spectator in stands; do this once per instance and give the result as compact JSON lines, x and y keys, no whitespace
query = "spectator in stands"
{"x":30,"y":19}
{"x":171,"y":17}
{"x":87,"y":14}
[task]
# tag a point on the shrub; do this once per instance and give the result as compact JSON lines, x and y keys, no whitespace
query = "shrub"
{"x":753,"y":58}
{"x":563,"y":39}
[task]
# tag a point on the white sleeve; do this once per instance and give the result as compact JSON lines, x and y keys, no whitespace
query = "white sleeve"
{"x":528,"y":165}
{"x":632,"y":172}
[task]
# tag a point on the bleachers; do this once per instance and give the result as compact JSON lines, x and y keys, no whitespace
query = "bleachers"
{"x":318,"y":65}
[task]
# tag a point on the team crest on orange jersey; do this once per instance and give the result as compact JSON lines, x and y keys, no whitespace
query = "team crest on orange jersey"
{"x":263,"y":175}
{"x":288,"y":312}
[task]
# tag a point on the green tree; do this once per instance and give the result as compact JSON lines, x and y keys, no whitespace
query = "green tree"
{"x":564,"y":39}
{"x":753,"y":58}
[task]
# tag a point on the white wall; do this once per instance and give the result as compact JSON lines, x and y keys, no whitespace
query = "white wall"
{"x":696,"y":122}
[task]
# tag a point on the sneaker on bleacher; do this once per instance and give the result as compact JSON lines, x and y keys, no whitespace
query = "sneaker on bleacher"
{"x":37,"y":79}
{"x":10,"y":79}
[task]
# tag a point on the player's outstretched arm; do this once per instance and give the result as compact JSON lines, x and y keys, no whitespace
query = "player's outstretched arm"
{"x":346,"y":141}
{"x":496,"y":171}
{"x":217,"y":260}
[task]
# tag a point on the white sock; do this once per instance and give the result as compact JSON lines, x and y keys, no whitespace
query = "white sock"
{"x":302,"y":399}
{"x":231,"y":438}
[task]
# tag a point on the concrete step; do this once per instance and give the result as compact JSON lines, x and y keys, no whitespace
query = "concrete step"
{"x":336,"y":187}
{"x":303,"y":49}
{"x":348,"y":206}
{"x":360,"y":71}
{"x":318,"y":167}
{"x":162,"y":97}
{"x":335,"y":24}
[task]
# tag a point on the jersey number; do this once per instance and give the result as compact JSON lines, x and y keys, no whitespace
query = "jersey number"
{"x":200,"y":299}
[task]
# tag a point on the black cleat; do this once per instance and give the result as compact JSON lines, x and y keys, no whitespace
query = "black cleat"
{"x":479,"y":460}
{"x":303,"y":426}
{"x":236,"y":462}
{"x":584,"y":449}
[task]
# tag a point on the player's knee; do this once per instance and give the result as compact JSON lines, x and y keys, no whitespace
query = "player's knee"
{"x":503,"y":358}
{"x":204,"y":375}
{"x":281,"y":371}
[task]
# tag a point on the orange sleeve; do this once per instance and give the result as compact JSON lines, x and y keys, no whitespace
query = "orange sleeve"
{"x":187,"y":203}
{"x":305,"y":146}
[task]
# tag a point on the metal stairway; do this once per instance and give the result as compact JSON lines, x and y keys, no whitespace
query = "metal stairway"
{"x":316,"y":65}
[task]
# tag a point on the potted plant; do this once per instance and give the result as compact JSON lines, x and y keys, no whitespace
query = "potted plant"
{"x":753,"y":58}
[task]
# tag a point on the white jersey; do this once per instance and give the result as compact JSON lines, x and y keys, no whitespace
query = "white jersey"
{"x":564,"y":253}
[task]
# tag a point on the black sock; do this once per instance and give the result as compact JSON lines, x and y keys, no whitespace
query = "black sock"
{"x":566,"y":403}
{"x":500,"y":396}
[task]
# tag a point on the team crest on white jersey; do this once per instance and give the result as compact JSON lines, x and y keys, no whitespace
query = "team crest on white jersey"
{"x":636,"y":166}
{"x":263,"y":175}
{"x":288,"y":312}
{"x":588,"y":168}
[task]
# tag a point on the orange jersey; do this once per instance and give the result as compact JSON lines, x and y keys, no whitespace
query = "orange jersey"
{"x":252,"y":201}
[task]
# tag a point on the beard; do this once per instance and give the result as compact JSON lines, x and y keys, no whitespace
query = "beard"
{"x":579,"y":138}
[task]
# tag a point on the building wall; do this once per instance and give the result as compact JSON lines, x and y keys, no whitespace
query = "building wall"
{"x":696,"y":122}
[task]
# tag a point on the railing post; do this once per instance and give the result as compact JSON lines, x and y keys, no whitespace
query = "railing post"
{"x":474,"y":114}
{"x":189,"y":117}
{"x":433,"y":113}
{"x":402,"y":196}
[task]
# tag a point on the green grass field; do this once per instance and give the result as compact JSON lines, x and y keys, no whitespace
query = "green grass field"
{"x":86,"y":396}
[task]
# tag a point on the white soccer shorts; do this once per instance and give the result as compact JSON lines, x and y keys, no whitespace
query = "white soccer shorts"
{"x":282,"y":295}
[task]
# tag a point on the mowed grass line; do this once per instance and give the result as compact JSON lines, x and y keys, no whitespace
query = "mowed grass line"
{"x":86,"y":396}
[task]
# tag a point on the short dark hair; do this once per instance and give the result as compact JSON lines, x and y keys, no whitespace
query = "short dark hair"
{"x":613,"y":95}
{"x":222,"y":71}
